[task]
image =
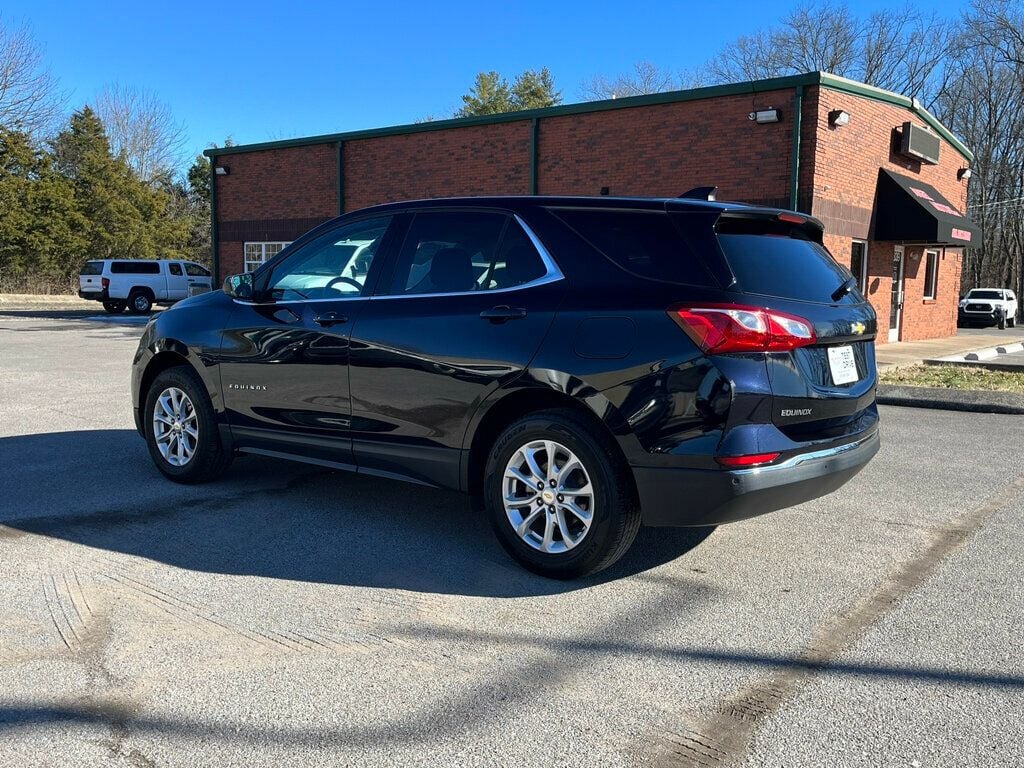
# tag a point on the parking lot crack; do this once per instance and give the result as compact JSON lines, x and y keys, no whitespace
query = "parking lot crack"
{"x":722,"y":738}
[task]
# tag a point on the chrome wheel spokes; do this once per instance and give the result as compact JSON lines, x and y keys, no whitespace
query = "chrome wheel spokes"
{"x":548,"y":496}
{"x":175,"y":427}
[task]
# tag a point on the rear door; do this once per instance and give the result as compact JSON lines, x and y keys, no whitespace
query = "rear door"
{"x":781,"y":265}
{"x":199,"y":279}
{"x":467,"y":304}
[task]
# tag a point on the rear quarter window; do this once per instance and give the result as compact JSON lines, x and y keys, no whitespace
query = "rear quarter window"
{"x":644,"y":243}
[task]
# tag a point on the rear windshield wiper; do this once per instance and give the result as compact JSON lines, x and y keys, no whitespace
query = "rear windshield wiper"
{"x":844,"y":289}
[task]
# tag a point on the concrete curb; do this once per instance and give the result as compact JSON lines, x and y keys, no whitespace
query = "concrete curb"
{"x":975,"y":401}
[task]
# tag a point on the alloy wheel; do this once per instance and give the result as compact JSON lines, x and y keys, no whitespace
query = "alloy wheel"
{"x":175,"y":427}
{"x":548,"y":496}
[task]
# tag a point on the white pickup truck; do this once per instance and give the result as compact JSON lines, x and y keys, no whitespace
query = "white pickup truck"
{"x":988,"y":306}
{"x":136,"y":285}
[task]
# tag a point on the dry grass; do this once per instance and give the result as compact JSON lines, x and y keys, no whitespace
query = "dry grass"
{"x":956,"y":377}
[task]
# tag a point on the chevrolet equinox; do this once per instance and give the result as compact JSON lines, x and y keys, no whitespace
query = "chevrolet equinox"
{"x":581,"y":366}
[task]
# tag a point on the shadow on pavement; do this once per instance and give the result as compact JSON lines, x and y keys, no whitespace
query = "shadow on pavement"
{"x":275,"y":519}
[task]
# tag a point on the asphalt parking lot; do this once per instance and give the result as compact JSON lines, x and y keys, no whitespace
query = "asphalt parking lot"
{"x":294,"y":615}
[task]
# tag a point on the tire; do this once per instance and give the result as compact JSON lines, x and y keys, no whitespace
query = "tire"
{"x":208,"y":459}
{"x":1002,"y":321}
{"x":1011,"y":322}
{"x":115,"y":307}
{"x":614,"y":511}
{"x":140,"y":302}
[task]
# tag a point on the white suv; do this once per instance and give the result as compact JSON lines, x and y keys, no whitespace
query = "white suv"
{"x":988,"y":306}
{"x":137,"y":285}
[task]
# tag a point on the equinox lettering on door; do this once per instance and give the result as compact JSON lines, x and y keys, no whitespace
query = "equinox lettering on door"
{"x":255,"y":387}
{"x":796,"y":411}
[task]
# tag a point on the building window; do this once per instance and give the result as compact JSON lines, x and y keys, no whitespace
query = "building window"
{"x":931,"y":274}
{"x":258,"y":253}
{"x":859,"y":264}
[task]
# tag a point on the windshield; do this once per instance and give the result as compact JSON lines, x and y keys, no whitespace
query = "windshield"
{"x":985,"y":295}
{"x":787,"y":267}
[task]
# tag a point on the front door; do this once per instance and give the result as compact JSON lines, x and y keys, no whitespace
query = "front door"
{"x":284,"y":358}
{"x":896,"y":307}
{"x":177,"y":281}
{"x":464,"y":311}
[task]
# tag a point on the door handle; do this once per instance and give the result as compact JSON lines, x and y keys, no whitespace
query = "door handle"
{"x":503,"y":314}
{"x":327,"y":319}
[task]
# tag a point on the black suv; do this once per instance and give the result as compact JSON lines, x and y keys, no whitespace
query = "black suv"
{"x":582,"y":365}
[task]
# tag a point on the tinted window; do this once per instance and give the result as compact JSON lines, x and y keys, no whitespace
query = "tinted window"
{"x":175,"y":269}
{"x":92,"y":268}
{"x":516,"y":262}
{"x":787,"y":267}
{"x":135,"y":267}
{"x":985,"y":295}
{"x":333,"y":266}
{"x":645,"y":243}
{"x":194,"y":270}
{"x":450,"y":253}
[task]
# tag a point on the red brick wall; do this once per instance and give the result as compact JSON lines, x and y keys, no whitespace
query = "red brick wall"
{"x":299,"y":182}
{"x":665,"y":149}
{"x":478,"y":160}
{"x":845,"y":178}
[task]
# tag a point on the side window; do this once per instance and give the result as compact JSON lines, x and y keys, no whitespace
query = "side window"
{"x":333,"y":266}
{"x":175,"y":269}
{"x":460,"y":252}
{"x":194,"y":270}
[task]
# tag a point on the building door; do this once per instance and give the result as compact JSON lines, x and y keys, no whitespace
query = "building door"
{"x":896,"y":309}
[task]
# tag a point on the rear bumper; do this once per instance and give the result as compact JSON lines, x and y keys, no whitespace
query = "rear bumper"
{"x":92,"y":295}
{"x":693,"y":497}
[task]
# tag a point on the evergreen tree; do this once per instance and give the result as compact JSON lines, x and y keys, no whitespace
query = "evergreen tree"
{"x":489,"y":95}
{"x":535,"y":90}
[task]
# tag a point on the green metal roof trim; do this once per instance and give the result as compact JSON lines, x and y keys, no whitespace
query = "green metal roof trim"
{"x":824,"y":79}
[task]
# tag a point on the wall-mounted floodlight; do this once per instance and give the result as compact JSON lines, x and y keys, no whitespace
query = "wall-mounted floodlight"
{"x":222,"y":170}
{"x":963,"y":173}
{"x":762,"y":116}
{"x":838,"y":118}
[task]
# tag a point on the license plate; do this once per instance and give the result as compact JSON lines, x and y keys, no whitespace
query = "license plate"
{"x":843,"y":365}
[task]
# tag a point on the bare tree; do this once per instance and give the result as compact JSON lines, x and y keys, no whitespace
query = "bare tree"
{"x":901,"y":49}
{"x":29,"y":98}
{"x":142,"y":129}
{"x":645,"y":78}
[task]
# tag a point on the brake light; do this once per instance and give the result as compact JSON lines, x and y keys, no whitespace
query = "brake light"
{"x":753,"y":460}
{"x":719,"y":329}
{"x":105,"y":282}
{"x":792,"y":218}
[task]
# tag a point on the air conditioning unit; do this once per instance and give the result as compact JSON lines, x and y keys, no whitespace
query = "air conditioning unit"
{"x":920,"y":144}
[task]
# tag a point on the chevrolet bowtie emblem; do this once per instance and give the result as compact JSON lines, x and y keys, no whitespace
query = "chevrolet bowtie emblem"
{"x":858,"y":328}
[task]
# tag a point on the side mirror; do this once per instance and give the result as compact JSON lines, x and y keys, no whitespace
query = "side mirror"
{"x":239,"y":286}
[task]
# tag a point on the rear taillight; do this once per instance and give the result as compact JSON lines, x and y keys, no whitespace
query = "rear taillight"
{"x":751,"y":460}
{"x":105,"y":282}
{"x":722,"y":328}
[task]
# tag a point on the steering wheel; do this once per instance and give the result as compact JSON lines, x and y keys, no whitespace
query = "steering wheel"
{"x":349,"y":280}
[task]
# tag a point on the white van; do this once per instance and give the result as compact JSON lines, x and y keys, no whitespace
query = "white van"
{"x":136,"y":285}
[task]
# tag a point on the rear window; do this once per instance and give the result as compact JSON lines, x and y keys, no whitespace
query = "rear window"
{"x":135,"y":268}
{"x":786,"y":267}
{"x":645,"y":243}
{"x":92,"y":268}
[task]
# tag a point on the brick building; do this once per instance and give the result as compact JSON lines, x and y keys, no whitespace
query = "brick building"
{"x":886,"y":178}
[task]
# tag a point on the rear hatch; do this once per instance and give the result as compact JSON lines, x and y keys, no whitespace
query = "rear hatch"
{"x":90,"y":279}
{"x":822,"y":389}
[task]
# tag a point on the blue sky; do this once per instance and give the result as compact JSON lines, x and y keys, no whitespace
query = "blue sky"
{"x":258,"y":71}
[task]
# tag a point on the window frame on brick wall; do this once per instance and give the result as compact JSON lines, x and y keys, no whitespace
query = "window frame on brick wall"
{"x":931,"y":277}
{"x":264,"y":255}
{"x":862,"y":274}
